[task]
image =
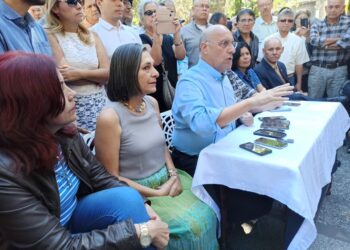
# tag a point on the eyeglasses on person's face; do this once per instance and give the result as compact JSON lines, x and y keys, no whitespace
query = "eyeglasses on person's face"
{"x":72,"y":3}
{"x":246,"y":21}
{"x":225,"y":43}
{"x":149,"y":12}
{"x":203,"y":6}
{"x":286,"y":20}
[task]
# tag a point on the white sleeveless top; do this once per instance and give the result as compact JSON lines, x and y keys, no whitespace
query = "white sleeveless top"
{"x":82,"y":56}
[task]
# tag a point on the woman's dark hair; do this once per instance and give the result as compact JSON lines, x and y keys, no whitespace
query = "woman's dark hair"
{"x":245,"y":12}
{"x":229,"y":25}
{"x":215,"y":18}
{"x":237,"y":54}
{"x":30,"y":94}
{"x":123,"y":80}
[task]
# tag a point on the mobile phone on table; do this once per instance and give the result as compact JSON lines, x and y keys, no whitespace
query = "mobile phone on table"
{"x":304,"y":22}
{"x":271,"y":143}
{"x":165,"y":18}
{"x":275,"y":124}
{"x":270,"y":133}
{"x":255,"y":148}
{"x":272,"y":118}
{"x":292,"y":104}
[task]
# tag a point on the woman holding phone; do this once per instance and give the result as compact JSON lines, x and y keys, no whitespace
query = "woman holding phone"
{"x":54,"y":194}
{"x":165,"y":49}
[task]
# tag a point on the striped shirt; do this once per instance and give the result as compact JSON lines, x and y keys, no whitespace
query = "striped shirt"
{"x":322,"y":30}
{"x":68,"y":185}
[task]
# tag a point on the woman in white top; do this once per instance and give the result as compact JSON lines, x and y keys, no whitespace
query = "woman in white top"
{"x":80,"y":56}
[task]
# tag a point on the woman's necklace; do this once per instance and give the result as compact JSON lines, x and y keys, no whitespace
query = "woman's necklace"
{"x":138,"y":109}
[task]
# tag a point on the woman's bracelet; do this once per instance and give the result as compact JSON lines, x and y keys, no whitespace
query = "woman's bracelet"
{"x":172,"y":172}
{"x":178,"y":44}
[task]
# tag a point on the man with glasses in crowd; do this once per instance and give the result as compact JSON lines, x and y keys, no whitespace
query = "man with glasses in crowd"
{"x":110,"y":28}
{"x":331,"y":50}
{"x":245,"y":21}
{"x":266,"y":24}
{"x":191,"y":33}
{"x":18,"y":29}
{"x":294,"y":53}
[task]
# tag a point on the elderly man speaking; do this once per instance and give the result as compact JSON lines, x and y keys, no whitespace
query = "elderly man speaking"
{"x":205,"y":110}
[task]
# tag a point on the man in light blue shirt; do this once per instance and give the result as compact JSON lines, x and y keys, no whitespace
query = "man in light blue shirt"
{"x":205,"y":109}
{"x":19,"y":31}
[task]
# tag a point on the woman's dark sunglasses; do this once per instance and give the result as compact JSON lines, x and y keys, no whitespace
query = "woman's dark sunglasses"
{"x":149,"y":12}
{"x":72,"y":2}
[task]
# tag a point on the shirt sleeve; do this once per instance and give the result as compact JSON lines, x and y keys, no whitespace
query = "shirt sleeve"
{"x":192,"y":108}
{"x":302,"y":55}
{"x":344,"y":42}
{"x":315,"y":38}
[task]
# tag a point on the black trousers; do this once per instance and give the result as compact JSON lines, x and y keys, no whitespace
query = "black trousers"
{"x":242,"y":205}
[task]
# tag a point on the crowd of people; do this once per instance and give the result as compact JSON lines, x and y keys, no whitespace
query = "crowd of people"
{"x":73,"y":67}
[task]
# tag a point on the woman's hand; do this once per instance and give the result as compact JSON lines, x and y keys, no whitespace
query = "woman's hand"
{"x":176,"y":188}
{"x":153,"y":215}
{"x":302,"y":31}
{"x":159,"y":232}
{"x":69,"y":73}
{"x":247,"y":119}
{"x":177,"y":24}
{"x":164,"y":189}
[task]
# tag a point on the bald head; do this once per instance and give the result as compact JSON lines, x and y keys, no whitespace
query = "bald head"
{"x":216,"y":46}
{"x":270,"y":40}
{"x":212,"y":32}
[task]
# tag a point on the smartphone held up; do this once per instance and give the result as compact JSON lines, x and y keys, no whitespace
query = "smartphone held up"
{"x":165,"y":18}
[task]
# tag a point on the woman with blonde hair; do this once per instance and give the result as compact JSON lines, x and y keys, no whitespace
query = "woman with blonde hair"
{"x":80,"y":56}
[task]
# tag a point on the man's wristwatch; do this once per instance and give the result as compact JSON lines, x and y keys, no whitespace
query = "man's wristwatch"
{"x":145,"y":238}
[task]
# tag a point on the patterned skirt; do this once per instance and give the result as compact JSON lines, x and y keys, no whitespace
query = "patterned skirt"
{"x":88,"y":108}
{"x":192,"y":223}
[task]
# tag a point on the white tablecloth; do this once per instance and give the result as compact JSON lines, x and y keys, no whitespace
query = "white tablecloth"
{"x":294,"y":175}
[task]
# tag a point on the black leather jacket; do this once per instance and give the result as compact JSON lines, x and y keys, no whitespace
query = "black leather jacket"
{"x":30,"y":205}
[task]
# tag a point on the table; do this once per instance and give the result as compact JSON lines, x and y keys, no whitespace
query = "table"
{"x":294,"y":175}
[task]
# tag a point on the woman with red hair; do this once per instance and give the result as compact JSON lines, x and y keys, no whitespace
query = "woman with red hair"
{"x":53,"y":193}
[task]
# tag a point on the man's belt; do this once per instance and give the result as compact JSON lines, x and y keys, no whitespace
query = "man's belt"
{"x":329,"y":65}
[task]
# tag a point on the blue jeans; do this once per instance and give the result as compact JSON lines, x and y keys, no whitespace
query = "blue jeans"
{"x":101,"y":209}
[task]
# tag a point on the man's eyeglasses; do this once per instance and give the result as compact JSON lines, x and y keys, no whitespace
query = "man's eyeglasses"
{"x":286,"y":20}
{"x":225,"y":43}
{"x":246,"y":20}
{"x":150,"y":12}
{"x":72,"y":2}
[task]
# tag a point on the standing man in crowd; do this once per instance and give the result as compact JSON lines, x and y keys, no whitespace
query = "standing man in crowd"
{"x":266,"y":24}
{"x":18,"y":29}
{"x":294,"y":54}
{"x":110,"y":28}
{"x":331,"y":40}
{"x":191,"y":33}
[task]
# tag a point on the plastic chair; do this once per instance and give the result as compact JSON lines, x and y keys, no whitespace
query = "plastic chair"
{"x":90,"y":141}
{"x":168,"y":127}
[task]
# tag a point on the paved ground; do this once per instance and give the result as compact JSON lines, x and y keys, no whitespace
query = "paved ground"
{"x":332,"y":220}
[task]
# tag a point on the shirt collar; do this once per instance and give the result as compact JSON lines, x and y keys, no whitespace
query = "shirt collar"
{"x":12,"y":15}
{"x":210,"y":70}
{"x":109,"y":26}
{"x":260,"y":20}
{"x":196,"y":25}
{"x":238,"y":35}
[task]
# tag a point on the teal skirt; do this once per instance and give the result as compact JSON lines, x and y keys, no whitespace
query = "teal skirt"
{"x":192,"y":223}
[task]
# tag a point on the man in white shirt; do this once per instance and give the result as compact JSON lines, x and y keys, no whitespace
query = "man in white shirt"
{"x":294,"y":54}
{"x":110,"y":28}
{"x":265,"y":25}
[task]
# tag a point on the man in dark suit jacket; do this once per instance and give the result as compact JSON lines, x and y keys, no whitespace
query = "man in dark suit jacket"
{"x":272,"y":72}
